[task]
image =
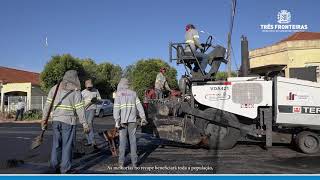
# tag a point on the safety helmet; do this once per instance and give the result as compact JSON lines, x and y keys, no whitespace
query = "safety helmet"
{"x":189,"y":26}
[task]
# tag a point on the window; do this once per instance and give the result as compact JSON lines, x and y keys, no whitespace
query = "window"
{"x":99,"y":102}
{"x":106,"y":102}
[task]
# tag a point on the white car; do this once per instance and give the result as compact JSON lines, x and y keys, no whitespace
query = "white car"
{"x":104,"y":107}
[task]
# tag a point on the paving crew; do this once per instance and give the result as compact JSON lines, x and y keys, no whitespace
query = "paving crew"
{"x":125,"y":107}
{"x":91,"y":97}
{"x":20,"y":109}
{"x":192,"y":38}
{"x":161,"y":83}
{"x":68,"y":105}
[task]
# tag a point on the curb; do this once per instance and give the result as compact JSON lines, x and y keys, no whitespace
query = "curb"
{"x":20,"y":122}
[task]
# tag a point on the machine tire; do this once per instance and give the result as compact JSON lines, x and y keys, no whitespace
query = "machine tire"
{"x":221,"y":137}
{"x":101,"y":114}
{"x":308,"y":142}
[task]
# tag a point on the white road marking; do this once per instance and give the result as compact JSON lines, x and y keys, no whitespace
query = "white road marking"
{"x":23,"y":138}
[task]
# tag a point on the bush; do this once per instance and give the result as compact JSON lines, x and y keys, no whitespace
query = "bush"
{"x":33,"y":114}
{"x":6,"y":115}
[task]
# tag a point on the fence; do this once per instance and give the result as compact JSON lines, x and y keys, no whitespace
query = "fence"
{"x":37,"y":102}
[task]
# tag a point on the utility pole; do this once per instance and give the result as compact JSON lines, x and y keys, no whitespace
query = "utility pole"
{"x":233,"y":12}
{"x":229,"y":55}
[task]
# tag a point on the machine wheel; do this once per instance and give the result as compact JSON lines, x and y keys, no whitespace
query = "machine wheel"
{"x":308,"y":142}
{"x":221,"y":137}
{"x":101,"y":114}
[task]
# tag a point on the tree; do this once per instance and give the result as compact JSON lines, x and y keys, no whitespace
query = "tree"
{"x":55,"y":69}
{"x":142,"y":74}
{"x":223,"y":75}
{"x":90,"y":68}
{"x":105,"y":76}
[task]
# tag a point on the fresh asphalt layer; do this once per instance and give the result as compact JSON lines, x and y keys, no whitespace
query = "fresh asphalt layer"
{"x":156,"y":156}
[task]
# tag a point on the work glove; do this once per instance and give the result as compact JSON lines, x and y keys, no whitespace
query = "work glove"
{"x":117,"y":124}
{"x":143,"y":122}
{"x":44,"y":125}
{"x":86,"y":128}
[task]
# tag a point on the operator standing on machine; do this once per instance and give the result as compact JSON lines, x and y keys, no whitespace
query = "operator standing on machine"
{"x":192,"y":38}
{"x":161,"y":83}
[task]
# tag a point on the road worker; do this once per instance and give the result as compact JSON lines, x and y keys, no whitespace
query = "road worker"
{"x":68,"y":105}
{"x":161,"y":83}
{"x":91,"y":97}
{"x":125,"y":107}
{"x":192,"y":39}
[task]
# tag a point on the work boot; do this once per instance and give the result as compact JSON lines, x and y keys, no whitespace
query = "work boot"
{"x":57,"y":171}
{"x":134,"y":165}
{"x":95,"y":147}
{"x":72,"y":171}
{"x":121,"y":165}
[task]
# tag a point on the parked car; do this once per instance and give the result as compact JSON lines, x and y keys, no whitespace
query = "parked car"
{"x":104,"y":107}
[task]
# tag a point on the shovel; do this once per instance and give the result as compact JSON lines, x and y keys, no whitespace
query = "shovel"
{"x":39,"y":139}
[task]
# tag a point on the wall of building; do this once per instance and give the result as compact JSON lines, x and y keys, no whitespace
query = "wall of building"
{"x":300,"y":53}
{"x":32,"y":95}
{"x":16,"y":87}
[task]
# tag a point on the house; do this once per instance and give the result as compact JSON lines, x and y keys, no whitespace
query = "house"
{"x":298,"y":51}
{"x":15,"y":83}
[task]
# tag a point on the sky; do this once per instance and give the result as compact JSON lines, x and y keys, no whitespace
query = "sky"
{"x":124,"y":31}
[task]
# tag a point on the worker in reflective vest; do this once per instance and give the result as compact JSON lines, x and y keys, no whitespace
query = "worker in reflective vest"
{"x":161,"y":83}
{"x":125,"y":107}
{"x":91,"y":97}
{"x":67,"y":106}
{"x":192,"y":39}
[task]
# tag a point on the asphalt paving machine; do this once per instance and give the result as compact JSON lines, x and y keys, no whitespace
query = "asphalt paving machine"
{"x":218,"y":114}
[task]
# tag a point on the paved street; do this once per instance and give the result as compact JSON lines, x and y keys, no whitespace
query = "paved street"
{"x":171,"y":158}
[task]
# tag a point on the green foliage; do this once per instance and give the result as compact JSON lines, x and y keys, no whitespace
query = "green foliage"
{"x":90,"y":68}
{"x":33,"y":115}
{"x":223,"y":75}
{"x":55,"y":69}
{"x":105,"y":76}
{"x":142,"y":75}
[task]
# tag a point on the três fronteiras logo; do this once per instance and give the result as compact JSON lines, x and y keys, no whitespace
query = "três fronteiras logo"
{"x":284,"y":18}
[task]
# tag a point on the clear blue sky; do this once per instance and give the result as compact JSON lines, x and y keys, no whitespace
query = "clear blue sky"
{"x":123,"y":31}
